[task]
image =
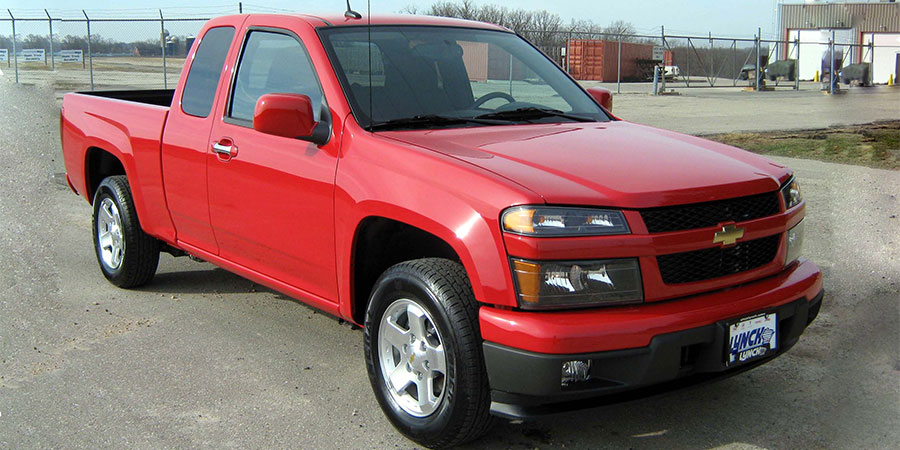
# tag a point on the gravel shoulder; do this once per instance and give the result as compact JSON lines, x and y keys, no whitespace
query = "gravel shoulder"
{"x":201,"y":358}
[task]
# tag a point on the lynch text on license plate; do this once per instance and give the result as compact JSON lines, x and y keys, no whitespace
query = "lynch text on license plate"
{"x":752,"y":338}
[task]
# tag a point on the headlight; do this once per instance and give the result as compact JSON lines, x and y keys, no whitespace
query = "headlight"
{"x":791,"y":193}
{"x":794,"y":243}
{"x":565,"y":284}
{"x":560,"y":221}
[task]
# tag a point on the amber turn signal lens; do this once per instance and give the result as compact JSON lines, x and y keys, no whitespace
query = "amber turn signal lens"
{"x":528,"y":275}
{"x":519,"y":221}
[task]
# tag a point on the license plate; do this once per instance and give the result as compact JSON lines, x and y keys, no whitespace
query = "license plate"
{"x":752,"y":338}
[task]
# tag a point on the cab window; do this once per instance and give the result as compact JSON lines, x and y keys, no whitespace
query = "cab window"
{"x":272,"y":63}
{"x":203,"y":78}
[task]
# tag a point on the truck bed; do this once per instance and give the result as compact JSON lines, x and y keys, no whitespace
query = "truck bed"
{"x":158,"y":97}
{"x":129,"y":126}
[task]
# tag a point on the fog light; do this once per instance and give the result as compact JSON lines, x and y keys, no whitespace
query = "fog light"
{"x":575,"y":371}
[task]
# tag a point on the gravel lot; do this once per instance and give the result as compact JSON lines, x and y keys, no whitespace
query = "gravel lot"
{"x":202,"y":358}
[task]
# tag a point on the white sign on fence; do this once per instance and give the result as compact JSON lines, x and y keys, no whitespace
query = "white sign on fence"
{"x":4,"y":54}
{"x":34,"y":55}
{"x":72,"y":55}
{"x":659,"y":53}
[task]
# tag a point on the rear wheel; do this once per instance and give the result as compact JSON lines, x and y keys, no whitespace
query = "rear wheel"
{"x":423,"y":353}
{"x":128,"y":257}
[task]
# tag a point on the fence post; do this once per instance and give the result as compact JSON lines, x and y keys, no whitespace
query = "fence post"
{"x":734,"y":72}
{"x":50,"y":23}
{"x":619,"y":68}
{"x":162,"y":44}
{"x":13,"y":19}
{"x":797,"y":64}
{"x":712,"y":58}
{"x":87,"y":20}
{"x":871,"y":61}
{"x":758,"y":70}
{"x":831,"y":77}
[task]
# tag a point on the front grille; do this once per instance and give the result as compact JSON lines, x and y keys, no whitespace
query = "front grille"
{"x":717,"y":262}
{"x":710,"y":214}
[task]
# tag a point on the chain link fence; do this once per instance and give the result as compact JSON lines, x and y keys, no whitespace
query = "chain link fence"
{"x":682,"y":61}
{"x":76,"y":50}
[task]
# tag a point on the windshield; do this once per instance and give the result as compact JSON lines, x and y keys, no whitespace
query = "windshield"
{"x":414,"y":77}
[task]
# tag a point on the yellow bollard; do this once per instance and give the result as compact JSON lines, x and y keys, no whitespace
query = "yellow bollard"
{"x":816,"y":79}
{"x":891,"y":80}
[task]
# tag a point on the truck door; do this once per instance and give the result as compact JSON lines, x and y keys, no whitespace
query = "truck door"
{"x":186,"y":136}
{"x":271,"y":198}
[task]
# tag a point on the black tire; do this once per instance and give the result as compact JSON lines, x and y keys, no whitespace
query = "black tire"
{"x":441,"y":287}
{"x":140,"y":253}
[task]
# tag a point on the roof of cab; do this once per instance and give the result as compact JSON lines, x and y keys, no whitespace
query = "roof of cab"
{"x":394,"y":19}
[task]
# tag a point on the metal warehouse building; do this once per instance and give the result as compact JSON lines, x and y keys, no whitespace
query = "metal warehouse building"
{"x":871,"y":30}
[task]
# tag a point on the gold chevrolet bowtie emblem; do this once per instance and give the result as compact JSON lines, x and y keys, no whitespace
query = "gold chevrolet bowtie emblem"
{"x":729,"y":235}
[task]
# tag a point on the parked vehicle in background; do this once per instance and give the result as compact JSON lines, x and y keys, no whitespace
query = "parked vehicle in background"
{"x":785,"y":68}
{"x":671,"y":72}
{"x":855,"y":72}
{"x":510,"y":247}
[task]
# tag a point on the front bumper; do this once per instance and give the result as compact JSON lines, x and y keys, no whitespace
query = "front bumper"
{"x":689,"y":348}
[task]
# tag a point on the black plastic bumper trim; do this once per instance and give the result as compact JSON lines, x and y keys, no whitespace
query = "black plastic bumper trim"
{"x":527,"y":384}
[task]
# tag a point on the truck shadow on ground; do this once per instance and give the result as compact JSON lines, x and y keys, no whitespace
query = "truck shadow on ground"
{"x":738,"y":411}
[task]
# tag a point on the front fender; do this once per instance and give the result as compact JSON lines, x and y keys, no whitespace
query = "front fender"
{"x":453,"y":200}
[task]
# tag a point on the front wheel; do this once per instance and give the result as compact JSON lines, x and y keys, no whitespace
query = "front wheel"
{"x":128,"y":257}
{"x":423,"y":353}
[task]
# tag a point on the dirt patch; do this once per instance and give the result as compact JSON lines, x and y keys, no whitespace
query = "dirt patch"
{"x":871,"y":145}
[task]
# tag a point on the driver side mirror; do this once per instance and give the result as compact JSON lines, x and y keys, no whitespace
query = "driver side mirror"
{"x":602,"y":96}
{"x":287,"y":115}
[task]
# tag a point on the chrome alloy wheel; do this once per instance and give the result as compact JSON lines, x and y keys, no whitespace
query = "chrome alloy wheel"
{"x":109,"y":234}
{"x":411,"y":353}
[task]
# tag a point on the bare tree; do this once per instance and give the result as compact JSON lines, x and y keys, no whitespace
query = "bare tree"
{"x":620,"y":29}
{"x":443,"y":9}
{"x":493,"y":14}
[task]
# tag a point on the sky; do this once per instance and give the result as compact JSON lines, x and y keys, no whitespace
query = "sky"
{"x":727,"y":18}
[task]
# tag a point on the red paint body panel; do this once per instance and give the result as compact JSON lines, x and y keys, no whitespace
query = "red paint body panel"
{"x":634,"y":326}
{"x":286,"y":212}
{"x":132,"y":134}
{"x":184,"y":152}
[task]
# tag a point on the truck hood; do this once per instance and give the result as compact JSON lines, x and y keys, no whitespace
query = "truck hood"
{"x":618,"y":164}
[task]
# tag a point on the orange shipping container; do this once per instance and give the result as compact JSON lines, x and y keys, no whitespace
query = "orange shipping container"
{"x":597,"y":60}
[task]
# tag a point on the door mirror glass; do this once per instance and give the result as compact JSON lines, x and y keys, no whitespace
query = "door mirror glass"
{"x":287,"y":115}
{"x":603,"y":96}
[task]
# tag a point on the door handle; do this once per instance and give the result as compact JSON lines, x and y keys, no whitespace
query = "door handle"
{"x":224,"y":150}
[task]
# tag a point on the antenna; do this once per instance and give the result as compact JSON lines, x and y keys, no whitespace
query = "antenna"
{"x":371,"y":88}
{"x":351,"y":14}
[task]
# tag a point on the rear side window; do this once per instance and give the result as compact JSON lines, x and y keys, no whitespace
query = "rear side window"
{"x":273,"y":63}
{"x":200,"y":87}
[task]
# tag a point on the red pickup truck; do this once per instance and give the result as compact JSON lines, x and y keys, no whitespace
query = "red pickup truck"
{"x":510,"y":247}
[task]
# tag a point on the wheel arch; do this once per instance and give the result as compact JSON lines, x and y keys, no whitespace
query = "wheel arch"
{"x":472,"y":241}
{"x":380,"y":242}
{"x":99,"y":163}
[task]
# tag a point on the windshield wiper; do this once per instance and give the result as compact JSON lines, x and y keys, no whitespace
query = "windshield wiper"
{"x":530,"y":113}
{"x":425,"y":121}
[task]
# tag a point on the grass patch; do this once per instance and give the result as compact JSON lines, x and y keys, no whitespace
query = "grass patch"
{"x":871,"y":145}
